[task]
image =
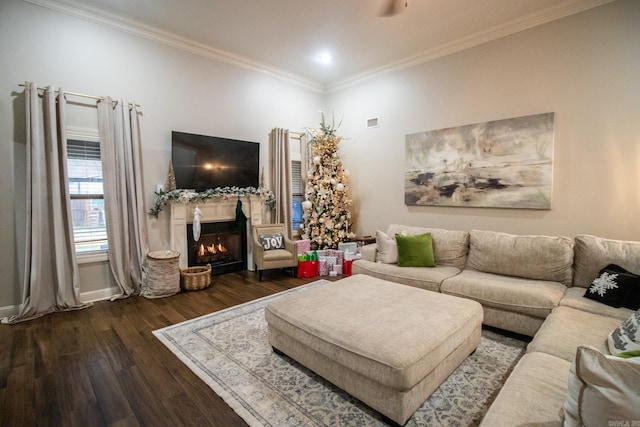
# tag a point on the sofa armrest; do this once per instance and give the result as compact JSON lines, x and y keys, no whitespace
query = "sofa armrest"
{"x":369,"y":252}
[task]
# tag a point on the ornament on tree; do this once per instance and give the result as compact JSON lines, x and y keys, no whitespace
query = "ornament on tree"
{"x":326,"y":209}
{"x":170,"y":183}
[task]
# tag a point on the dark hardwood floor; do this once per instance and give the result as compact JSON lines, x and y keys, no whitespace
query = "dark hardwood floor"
{"x":102,"y":366}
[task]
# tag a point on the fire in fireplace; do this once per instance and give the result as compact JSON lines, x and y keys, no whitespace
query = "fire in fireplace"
{"x":221,"y":244}
{"x":214,"y":252}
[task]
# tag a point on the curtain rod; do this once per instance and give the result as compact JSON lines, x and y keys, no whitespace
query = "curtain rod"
{"x":294,"y":135}
{"x":82,"y":95}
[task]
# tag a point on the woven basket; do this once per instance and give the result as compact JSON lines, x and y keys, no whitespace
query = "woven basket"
{"x":195,"y":278}
{"x":163,"y":274}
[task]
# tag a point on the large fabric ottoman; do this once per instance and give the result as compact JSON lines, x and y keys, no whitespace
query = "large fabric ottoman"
{"x":387,"y":344}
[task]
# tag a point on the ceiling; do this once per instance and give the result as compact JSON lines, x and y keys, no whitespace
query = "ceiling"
{"x":285,"y":37}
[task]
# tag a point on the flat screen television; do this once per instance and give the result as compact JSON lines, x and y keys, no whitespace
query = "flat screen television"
{"x":202,"y":162}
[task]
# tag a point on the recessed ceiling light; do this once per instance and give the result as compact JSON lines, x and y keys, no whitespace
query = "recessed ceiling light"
{"x":325,"y":58}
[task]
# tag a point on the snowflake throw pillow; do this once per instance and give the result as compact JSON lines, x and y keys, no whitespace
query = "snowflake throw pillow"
{"x":615,"y":287}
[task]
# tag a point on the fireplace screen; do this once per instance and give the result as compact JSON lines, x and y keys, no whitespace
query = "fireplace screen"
{"x":220,"y":244}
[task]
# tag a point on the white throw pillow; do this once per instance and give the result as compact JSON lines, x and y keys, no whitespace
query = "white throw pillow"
{"x":602,"y":389}
{"x":626,"y":337}
{"x":387,"y":248}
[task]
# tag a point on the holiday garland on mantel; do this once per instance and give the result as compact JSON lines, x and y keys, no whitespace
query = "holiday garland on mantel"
{"x":226,"y":193}
{"x":326,"y":217}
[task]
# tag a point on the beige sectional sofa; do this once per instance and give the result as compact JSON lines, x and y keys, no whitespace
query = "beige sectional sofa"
{"x":531,"y":285}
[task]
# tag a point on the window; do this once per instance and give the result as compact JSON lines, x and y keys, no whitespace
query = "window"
{"x":297,"y":196}
{"x":87,"y":197}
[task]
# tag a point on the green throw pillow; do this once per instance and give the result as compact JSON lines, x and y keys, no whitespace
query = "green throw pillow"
{"x":415,"y":251}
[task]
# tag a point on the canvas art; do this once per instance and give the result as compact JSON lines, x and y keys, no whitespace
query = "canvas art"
{"x":498,"y":164}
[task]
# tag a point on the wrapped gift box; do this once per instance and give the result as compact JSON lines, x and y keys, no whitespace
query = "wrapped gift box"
{"x":337,"y":269}
{"x":338,"y":254}
{"x":302,"y":246}
{"x":323,"y":252}
{"x":348,"y":247}
{"x":323,"y":267}
{"x":352,"y":257}
{"x":330,"y":260}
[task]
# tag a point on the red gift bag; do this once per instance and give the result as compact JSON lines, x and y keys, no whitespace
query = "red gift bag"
{"x":346,"y":267}
{"x":308,"y":265}
{"x":312,"y":270}
{"x":302,"y":267}
{"x":308,"y":268}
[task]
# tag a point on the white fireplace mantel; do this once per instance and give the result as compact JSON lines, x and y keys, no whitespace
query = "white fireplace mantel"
{"x":213,"y":210}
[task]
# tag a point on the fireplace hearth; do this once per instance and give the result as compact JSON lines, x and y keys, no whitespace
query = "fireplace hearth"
{"x":221,"y":244}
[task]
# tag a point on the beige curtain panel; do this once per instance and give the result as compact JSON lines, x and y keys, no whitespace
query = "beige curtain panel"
{"x":280,"y":165}
{"x":51,"y":272}
{"x":123,"y":193}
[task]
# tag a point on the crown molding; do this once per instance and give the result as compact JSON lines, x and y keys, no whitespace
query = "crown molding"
{"x":137,"y":28}
{"x":559,"y":11}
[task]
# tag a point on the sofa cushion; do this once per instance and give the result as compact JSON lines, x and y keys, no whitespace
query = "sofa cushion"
{"x":533,"y":394}
{"x":450,"y":247}
{"x":520,"y":323}
{"x":369,"y":252}
{"x":602,"y":389}
{"x":277,"y":255}
{"x":574,"y":297}
{"x":532,"y":297}
{"x":616,"y":287}
{"x":419,"y":277}
{"x":566,"y":328}
{"x":594,"y":253}
{"x":625,"y":337}
{"x":532,"y":257}
{"x":387,"y":248}
{"x":415,"y":251}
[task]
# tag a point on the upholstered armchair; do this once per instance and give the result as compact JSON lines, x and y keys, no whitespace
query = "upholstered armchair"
{"x":272,"y":249}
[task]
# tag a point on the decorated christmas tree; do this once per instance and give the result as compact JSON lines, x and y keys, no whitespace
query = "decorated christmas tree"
{"x":326,"y":215}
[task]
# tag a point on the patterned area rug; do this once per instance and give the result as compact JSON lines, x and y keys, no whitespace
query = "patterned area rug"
{"x":229,"y":351}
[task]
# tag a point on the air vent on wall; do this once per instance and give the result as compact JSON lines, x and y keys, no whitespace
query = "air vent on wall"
{"x":372,"y":122}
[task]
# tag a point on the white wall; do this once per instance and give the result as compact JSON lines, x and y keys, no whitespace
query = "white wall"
{"x":176,"y":90}
{"x":585,"y":68}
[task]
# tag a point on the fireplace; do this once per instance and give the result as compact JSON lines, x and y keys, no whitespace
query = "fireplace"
{"x":221,"y":244}
{"x":212,"y":211}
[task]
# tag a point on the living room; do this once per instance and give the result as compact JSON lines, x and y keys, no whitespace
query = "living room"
{"x":583,"y":67}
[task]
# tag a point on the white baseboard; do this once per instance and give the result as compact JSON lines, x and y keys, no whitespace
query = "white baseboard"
{"x":93,"y":296}
{"x":99,"y":295}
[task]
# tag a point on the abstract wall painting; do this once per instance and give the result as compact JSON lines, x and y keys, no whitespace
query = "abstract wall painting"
{"x":498,"y":164}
